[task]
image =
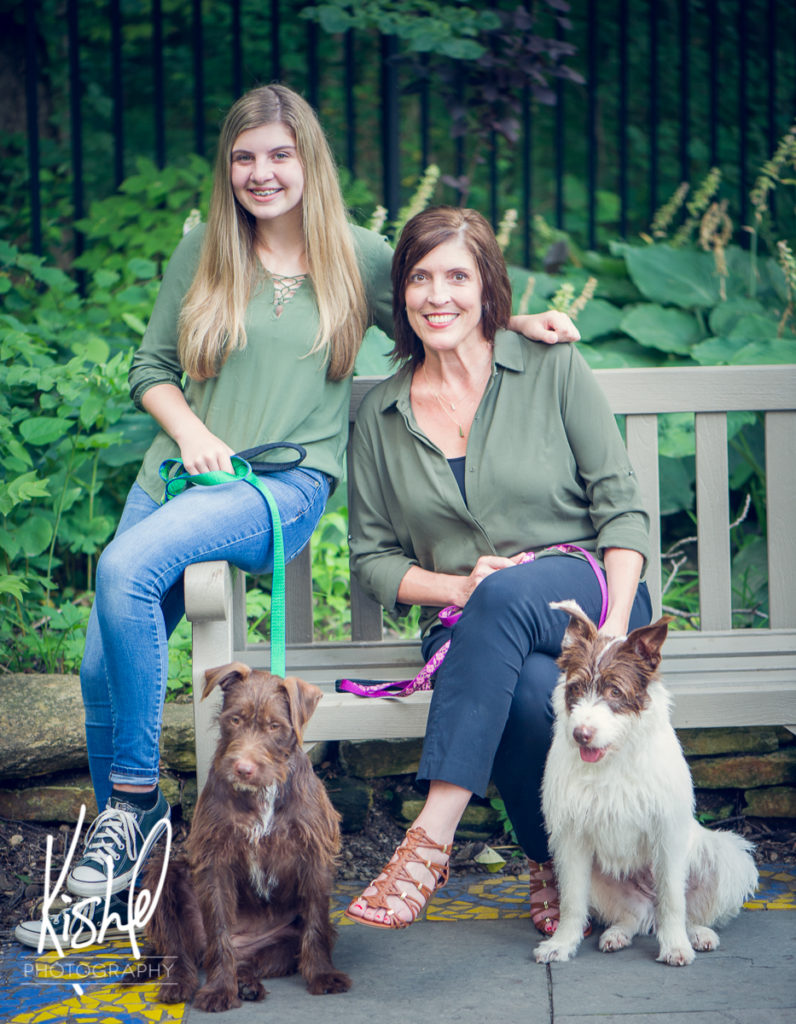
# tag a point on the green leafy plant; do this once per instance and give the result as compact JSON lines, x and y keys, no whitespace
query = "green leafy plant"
{"x":131,"y":235}
{"x":505,"y":822}
{"x":453,"y":30}
{"x":330,"y":580}
{"x":65,"y":464}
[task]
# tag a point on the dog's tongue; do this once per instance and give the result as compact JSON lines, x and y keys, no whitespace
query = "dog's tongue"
{"x":591,"y":754}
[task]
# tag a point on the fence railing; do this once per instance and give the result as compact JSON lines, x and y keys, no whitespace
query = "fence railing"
{"x":671,"y":89}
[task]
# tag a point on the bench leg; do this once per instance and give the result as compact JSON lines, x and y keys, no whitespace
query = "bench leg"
{"x":209,"y":590}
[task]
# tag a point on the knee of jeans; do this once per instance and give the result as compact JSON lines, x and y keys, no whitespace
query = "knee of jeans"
{"x":113,"y":567}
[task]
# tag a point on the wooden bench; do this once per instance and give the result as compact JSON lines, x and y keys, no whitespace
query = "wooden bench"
{"x":718,"y":675}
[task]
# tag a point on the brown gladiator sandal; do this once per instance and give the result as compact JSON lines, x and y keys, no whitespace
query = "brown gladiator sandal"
{"x":544,"y":897}
{"x":396,"y":878}
{"x":545,"y":909}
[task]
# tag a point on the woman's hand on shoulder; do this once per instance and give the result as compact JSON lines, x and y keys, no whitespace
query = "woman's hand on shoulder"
{"x":549,"y":327}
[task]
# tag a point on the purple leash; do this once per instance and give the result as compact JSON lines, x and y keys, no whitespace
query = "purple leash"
{"x":448,"y":616}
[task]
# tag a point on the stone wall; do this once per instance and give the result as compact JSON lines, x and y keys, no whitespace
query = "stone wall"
{"x":44,"y":776}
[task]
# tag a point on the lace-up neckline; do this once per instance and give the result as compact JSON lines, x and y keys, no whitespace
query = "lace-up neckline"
{"x":285,"y":287}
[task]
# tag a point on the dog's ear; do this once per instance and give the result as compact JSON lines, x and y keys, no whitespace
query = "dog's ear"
{"x":225,"y":676}
{"x":303,"y":699}
{"x":646,"y":642}
{"x":580,"y":625}
{"x":579,"y":636}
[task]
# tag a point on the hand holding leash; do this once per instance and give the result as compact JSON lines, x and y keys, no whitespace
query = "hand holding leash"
{"x":176,"y":479}
{"x":206,"y":453}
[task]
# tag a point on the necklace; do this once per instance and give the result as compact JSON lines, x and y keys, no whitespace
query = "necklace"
{"x":442,"y":403}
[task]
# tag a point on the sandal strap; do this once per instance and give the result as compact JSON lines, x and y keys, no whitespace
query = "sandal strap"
{"x":541,"y":876}
{"x":396,"y":875}
{"x":544,"y":896}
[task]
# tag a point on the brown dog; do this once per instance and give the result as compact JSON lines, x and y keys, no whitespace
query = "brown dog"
{"x":249,"y":899}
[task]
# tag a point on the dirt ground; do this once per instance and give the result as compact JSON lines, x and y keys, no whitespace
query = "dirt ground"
{"x":23,"y":851}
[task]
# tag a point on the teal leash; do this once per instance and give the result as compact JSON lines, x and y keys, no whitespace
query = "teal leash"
{"x":180,"y":481}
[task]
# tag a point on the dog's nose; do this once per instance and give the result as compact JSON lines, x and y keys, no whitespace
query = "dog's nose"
{"x":244,"y":769}
{"x":583,"y":735}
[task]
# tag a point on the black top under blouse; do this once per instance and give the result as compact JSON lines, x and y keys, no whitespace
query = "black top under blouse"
{"x":457,"y":468}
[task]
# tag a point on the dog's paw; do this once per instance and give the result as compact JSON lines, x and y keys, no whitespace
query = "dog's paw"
{"x":703,"y":939}
{"x":251,"y":991}
{"x":552,"y":951}
{"x":613,"y":939}
{"x":328,"y":984}
{"x":676,"y":956}
{"x":177,"y":990}
{"x":216,"y":1000}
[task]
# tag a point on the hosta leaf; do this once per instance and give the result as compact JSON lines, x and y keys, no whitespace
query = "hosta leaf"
{"x":677,"y":276}
{"x":668,"y":330}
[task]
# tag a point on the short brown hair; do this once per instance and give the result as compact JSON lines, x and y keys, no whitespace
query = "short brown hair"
{"x":424,"y":232}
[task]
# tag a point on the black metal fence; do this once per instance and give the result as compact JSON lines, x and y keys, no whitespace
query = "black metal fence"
{"x":671,"y":89}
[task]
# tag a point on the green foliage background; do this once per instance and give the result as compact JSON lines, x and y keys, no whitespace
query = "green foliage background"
{"x":70,"y":441}
{"x":444,"y":50}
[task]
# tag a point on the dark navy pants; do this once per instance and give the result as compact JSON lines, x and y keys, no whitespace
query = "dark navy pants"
{"x":490,"y":714}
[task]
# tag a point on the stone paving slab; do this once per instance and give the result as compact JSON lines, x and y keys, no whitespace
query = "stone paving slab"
{"x":753,"y":971}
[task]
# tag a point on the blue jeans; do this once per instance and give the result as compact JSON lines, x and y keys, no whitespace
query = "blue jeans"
{"x":139,"y":601}
{"x":490,"y":713}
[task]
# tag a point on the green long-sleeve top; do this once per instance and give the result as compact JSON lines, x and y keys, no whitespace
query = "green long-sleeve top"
{"x":271,"y":390}
{"x":545,"y":465}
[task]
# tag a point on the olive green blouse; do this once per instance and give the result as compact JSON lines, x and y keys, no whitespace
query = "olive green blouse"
{"x":545,"y":465}
{"x":271,"y":390}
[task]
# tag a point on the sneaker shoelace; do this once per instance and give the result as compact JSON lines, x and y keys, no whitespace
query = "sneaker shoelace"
{"x":114,"y":830}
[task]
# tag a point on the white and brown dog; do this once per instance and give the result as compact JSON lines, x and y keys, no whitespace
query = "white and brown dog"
{"x":618,"y":803}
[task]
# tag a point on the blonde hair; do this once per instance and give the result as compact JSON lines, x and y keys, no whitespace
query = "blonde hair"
{"x":212,"y":319}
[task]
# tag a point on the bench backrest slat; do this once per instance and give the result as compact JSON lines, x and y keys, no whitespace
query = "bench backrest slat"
{"x":641,"y":438}
{"x":713,"y":520}
{"x":781,"y":504}
{"x":366,"y":614}
{"x":698,"y":388}
{"x":298,"y":599}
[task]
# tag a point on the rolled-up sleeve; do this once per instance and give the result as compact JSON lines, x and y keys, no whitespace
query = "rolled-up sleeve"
{"x":615,"y":503}
{"x":378,"y":559}
{"x":156,"y":360}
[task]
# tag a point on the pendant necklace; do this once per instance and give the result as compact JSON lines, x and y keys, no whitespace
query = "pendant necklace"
{"x":442,"y":403}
